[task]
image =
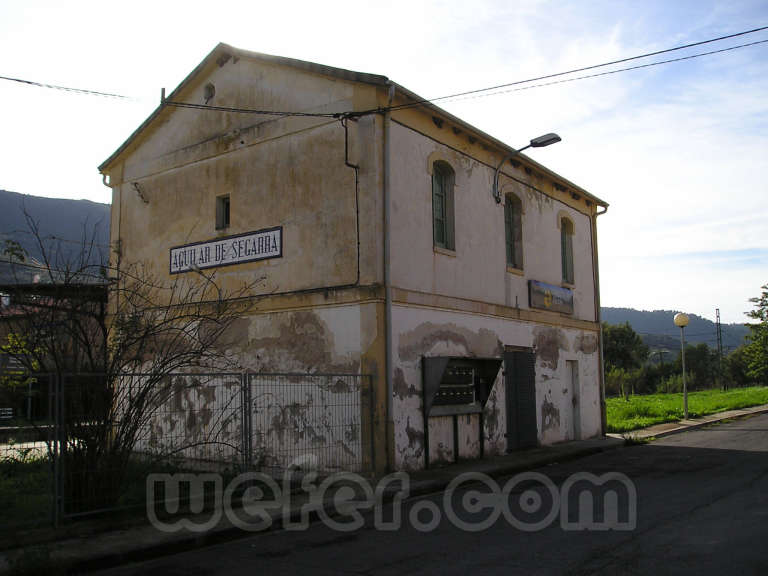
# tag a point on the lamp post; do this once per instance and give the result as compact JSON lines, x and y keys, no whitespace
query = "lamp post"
{"x":539,"y":142}
{"x":681,"y":320}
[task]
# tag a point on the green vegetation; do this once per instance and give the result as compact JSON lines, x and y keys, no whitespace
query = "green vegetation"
{"x":632,"y":368}
{"x":25,"y":487}
{"x":643,"y":411}
{"x":756,"y":350}
{"x":632,"y":440}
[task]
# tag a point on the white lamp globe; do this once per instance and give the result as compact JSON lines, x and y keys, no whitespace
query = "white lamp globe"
{"x":681,"y":320}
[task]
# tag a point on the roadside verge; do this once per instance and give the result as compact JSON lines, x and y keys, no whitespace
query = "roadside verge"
{"x":668,"y":428}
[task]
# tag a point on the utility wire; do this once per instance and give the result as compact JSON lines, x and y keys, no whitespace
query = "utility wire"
{"x":592,"y":67}
{"x":481,"y":92}
{"x":43,"y":268}
{"x":68,"y":89}
{"x":475,"y":93}
{"x":639,"y":66}
{"x":252,"y":111}
{"x":10,"y":236}
{"x":675,"y":334}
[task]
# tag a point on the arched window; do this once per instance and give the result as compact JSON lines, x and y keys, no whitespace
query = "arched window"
{"x":442,"y":205}
{"x":513,"y":230}
{"x":566,"y":249}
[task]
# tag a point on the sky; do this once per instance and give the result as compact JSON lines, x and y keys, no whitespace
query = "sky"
{"x":679,"y":150}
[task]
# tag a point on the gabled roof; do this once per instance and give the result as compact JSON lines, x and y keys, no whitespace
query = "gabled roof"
{"x":223,"y":52}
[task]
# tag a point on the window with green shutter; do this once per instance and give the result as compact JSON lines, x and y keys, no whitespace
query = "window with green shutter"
{"x":566,"y":249}
{"x":442,"y":205}
{"x":513,"y":231}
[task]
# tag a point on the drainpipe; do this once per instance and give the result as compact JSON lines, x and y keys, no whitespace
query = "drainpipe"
{"x":388,"y":284}
{"x":356,"y":168}
{"x":603,"y":423}
{"x":115,"y":192}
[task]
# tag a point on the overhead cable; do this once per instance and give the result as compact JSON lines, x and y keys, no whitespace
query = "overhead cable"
{"x":67,"y":88}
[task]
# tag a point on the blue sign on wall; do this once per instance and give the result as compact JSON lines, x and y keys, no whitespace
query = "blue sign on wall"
{"x":550,"y":297}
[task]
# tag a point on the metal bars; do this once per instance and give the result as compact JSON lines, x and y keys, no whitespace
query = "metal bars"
{"x":81,"y":445}
{"x":309,"y":422}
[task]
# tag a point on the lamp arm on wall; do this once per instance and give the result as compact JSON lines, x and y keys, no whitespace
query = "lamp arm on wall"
{"x":496,"y":191}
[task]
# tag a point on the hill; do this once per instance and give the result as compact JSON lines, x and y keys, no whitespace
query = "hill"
{"x":659,"y":332}
{"x":62,"y":224}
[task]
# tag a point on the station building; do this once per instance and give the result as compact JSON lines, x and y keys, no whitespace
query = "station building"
{"x":394,"y":240}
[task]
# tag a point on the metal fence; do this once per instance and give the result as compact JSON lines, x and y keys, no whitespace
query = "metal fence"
{"x":79,"y":445}
{"x":27,"y":487}
{"x":309,"y":422}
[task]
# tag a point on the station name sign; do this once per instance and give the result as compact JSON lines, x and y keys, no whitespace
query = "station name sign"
{"x":248,"y":247}
{"x":550,"y":297}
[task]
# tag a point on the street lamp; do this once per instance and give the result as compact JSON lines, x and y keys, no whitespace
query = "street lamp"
{"x":539,"y":142}
{"x":681,"y":320}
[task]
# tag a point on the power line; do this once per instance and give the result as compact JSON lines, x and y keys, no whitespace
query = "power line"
{"x":675,"y":334}
{"x":67,"y":88}
{"x":592,"y":67}
{"x":10,"y":236}
{"x":43,"y":268}
{"x":252,"y":111}
{"x":690,"y":57}
{"x":480,"y":92}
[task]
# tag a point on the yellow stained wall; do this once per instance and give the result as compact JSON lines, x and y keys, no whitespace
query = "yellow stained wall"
{"x":310,"y":312}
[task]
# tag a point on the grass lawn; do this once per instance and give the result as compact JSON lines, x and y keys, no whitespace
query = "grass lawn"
{"x":643,"y":411}
{"x":25,"y":493}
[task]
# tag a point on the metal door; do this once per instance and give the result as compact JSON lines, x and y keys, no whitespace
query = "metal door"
{"x":520,"y":390}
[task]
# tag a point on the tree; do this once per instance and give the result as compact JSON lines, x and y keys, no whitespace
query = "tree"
{"x":624,"y":355}
{"x":701,"y":363}
{"x":622,"y":347}
{"x":88,"y":325}
{"x":656,"y":375}
{"x":735,"y":367}
{"x":756,"y":350}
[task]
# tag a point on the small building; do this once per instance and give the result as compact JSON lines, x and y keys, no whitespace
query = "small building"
{"x":387,"y":248}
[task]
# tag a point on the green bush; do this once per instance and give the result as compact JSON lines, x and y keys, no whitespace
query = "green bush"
{"x":673,"y":384}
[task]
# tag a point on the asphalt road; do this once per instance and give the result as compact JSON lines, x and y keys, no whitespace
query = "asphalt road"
{"x":702,"y":506}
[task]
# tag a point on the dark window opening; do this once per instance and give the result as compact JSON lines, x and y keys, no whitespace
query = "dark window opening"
{"x":222,"y":212}
{"x":513,"y":230}
{"x":566,"y":249}
{"x":442,"y":205}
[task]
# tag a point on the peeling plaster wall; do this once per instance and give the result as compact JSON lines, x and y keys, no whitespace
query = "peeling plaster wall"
{"x":305,"y":423}
{"x":419,"y":332}
{"x":314,"y":340}
{"x":477,"y":269}
{"x":317,"y":421}
{"x":299,"y":421}
{"x":200,"y":420}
